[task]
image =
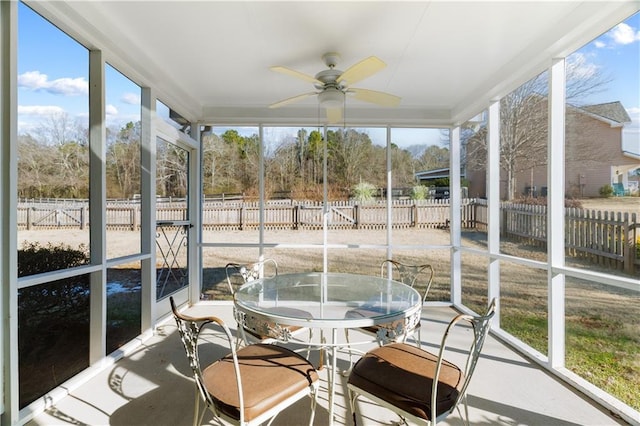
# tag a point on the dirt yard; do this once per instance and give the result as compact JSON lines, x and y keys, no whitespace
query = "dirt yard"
{"x":616,"y":204}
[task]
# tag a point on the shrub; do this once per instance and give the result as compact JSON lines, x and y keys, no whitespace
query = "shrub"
{"x":364,"y":191}
{"x":53,"y":320}
{"x":419,"y":192}
{"x":606,"y":191}
{"x":36,"y":259}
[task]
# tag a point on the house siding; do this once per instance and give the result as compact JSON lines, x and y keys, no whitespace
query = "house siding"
{"x":593,"y":153}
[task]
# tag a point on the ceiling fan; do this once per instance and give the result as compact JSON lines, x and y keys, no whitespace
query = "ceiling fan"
{"x":332,"y":85}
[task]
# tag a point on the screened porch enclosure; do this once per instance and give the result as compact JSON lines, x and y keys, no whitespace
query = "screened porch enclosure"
{"x":103,"y":220}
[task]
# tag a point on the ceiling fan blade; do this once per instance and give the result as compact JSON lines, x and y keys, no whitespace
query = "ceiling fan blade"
{"x":291,"y":100}
{"x":374,"y":97}
{"x":334,"y":115}
{"x":363,"y":69}
{"x":294,"y":73}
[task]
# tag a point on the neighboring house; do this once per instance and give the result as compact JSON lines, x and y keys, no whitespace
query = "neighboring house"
{"x":593,"y":151}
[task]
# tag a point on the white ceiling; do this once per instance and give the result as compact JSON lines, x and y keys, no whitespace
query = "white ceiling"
{"x":209,"y":60}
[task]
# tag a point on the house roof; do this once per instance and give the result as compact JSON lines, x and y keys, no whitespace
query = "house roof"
{"x":447,"y":60}
{"x":613,"y":111}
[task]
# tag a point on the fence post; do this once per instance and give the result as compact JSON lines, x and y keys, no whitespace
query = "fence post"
{"x":82,"y":216}
{"x":296,"y":216}
{"x":241,"y":216}
{"x":630,"y":246}
{"x":28,"y":218}
{"x":414,"y":214}
{"x":134,"y":218}
{"x":356,"y":215}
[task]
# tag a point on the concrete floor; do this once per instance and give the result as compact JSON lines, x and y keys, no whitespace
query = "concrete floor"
{"x":152,"y":386}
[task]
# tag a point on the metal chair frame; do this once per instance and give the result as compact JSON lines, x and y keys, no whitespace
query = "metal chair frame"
{"x":250,"y":273}
{"x":190,"y":329}
{"x":408,"y":275}
{"x":480,"y":326}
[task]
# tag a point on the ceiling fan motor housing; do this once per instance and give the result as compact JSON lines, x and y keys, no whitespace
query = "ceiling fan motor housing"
{"x":331,"y":97}
{"x":328,"y":78}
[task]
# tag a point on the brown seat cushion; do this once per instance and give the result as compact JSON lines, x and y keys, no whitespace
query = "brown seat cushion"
{"x":270,"y":374}
{"x":402,"y":375}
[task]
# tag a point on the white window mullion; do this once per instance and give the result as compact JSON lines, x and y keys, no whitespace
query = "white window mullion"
{"x":196,"y":202}
{"x":556,"y":213}
{"x":455,"y":216}
{"x":261,"y":190}
{"x":97,"y":206}
{"x":389,"y":196}
{"x":493,"y":204}
{"x":8,"y":211}
{"x":148,"y":207}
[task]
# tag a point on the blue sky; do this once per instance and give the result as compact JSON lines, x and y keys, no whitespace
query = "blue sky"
{"x":53,"y":77}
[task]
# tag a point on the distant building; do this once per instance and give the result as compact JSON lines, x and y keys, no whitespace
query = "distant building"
{"x":593,"y":151}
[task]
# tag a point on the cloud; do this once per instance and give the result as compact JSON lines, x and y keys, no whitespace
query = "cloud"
{"x":40,"y":110}
{"x":579,"y":67}
{"x":631,"y":132}
{"x":624,"y":34}
{"x":131,"y":98}
{"x":35,"y":80}
{"x":111,"y":110}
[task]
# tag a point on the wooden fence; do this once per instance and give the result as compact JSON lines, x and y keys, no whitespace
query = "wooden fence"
{"x":609,"y":239}
{"x":606,"y":238}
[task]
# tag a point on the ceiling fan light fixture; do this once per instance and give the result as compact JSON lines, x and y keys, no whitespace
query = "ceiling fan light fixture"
{"x":331,"y":98}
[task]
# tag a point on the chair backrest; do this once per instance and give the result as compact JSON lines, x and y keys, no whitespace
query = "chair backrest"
{"x":408,"y":274}
{"x":480,"y":326}
{"x":238,"y":274}
{"x":189,"y":329}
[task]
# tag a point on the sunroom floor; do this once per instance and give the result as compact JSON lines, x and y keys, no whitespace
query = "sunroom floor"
{"x":151,"y":386}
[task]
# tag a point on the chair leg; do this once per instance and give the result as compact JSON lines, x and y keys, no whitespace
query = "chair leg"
{"x":197,"y":420}
{"x":310,"y":341}
{"x":352,"y":396}
{"x":314,"y":401}
{"x":463,"y":416}
{"x":346,"y":337}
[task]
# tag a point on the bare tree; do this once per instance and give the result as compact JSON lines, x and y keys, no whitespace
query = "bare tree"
{"x":123,"y":161}
{"x":523,"y":122}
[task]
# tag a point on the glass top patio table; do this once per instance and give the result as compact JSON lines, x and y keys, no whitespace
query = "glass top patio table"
{"x":328,"y":300}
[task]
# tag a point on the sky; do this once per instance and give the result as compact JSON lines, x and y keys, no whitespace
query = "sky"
{"x":53,"y":79}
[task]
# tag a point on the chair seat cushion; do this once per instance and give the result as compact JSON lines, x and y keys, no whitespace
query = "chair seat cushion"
{"x":402,"y":375}
{"x":263,"y":386}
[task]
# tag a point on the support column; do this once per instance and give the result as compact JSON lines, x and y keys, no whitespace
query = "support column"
{"x":556,"y":212}
{"x":493,"y":205}
{"x":455,"y":216}
{"x":8,"y":212}
{"x":148,"y":208}
{"x":97,"y":207}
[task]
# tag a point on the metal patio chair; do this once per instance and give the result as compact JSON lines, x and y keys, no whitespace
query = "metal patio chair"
{"x":239,"y":274}
{"x":418,"y":385}
{"x":249,"y":386}
{"x":411,"y":275}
